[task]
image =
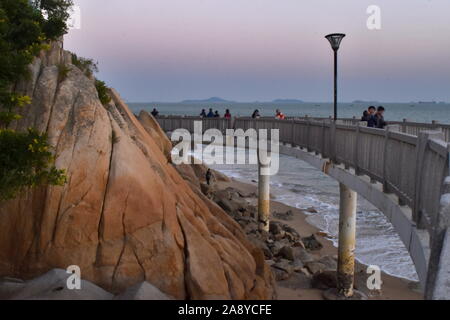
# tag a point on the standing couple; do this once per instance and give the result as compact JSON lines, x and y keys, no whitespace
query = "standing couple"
{"x":374,"y":117}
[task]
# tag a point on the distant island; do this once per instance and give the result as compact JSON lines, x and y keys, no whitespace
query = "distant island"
{"x":210,"y":100}
{"x":287,"y":101}
{"x":365,"y":102}
{"x":220,"y":100}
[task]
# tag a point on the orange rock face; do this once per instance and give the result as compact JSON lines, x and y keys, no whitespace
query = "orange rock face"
{"x":125,"y":214}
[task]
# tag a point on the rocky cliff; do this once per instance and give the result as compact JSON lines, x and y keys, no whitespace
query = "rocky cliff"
{"x":125,"y":214}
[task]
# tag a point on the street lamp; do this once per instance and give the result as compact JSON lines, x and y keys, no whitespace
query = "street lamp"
{"x":335,"y":40}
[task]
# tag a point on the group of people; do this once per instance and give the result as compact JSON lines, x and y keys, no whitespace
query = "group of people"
{"x":374,"y":117}
{"x":215,"y":114}
{"x":255,"y":115}
{"x":278,"y":114}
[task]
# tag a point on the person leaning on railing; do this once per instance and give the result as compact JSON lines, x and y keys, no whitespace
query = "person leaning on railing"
{"x":155,"y":112}
{"x":255,"y":114}
{"x":370,"y":112}
{"x":379,"y":117}
{"x":279,"y":115}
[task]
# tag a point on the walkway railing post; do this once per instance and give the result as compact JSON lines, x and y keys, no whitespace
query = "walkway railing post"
{"x":263,"y":196}
{"x":293,"y":132}
{"x":421,"y":147}
{"x":385,"y":158}
{"x":347,"y":240}
{"x":333,"y":141}
{"x":308,"y":134}
{"x":404,"y":125}
{"x":356,"y":149}
{"x":437,"y":286}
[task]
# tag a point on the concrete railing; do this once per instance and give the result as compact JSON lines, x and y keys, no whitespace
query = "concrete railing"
{"x":413,"y":167}
{"x":405,"y":126}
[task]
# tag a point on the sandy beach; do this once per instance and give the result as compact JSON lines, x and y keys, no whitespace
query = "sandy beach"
{"x":393,"y":288}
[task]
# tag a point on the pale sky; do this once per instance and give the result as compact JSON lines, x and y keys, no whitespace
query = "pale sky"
{"x":247,"y":50}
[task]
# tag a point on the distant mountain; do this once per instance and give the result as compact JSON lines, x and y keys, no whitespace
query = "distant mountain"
{"x":365,"y":102}
{"x":210,"y":100}
{"x":287,"y":101}
{"x":427,"y":102}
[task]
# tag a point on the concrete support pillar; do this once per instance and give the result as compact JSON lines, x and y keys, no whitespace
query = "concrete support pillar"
{"x":347,"y":240}
{"x":263,"y":197}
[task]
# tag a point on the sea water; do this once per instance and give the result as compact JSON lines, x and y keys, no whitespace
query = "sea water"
{"x":416,"y":112}
{"x":299,"y":185}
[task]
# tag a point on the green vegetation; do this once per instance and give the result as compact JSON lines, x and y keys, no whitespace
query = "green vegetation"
{"x":88,"y":66}
{"x":102,"y":90}
{"x":63,"y":72}
{"x":25,"y":159}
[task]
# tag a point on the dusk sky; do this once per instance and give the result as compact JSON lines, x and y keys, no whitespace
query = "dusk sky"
{"x":247,"y":50}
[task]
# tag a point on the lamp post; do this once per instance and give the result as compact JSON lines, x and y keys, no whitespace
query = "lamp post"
{"x":335,"y":40}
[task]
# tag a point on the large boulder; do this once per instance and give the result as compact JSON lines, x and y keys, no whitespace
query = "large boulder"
{"x":53,"y":286}
{"x":142,"y":291}
{"x":154,"y":130}
{"x":125,"y":215}
{"x":196,"y":173}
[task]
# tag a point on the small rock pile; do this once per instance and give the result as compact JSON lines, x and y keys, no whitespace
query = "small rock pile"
{"x":290,"y":255}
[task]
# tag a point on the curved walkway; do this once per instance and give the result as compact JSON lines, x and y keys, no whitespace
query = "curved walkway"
{"x":416,"y":241}
{"x":403,"y":175}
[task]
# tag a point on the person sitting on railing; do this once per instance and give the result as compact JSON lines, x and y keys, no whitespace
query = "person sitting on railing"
{"x":216,"y":114}
{"x":210,"y":113}
{"x":227,"y":114}
{"x":155,"y":112}
{"x":203,"y":113}
{"x":279,"y":115}
{"x":255,"y":114}
{"x":381,"y":124}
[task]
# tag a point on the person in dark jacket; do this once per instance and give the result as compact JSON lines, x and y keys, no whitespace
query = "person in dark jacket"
{"x":255,"y":114}
{"x":203,"y":113}
{"x":365,"y":116}
{"x":210,"y":113}
{"x":155,"y":112}
{"x":216,"y":114}
{"x":208,"y":177}
{"x":380,"y":123}
{"x":370,"y":117}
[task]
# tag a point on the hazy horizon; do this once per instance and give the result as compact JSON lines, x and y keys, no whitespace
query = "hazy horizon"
{"x":299,"y":99}
{"x":174,"y":50}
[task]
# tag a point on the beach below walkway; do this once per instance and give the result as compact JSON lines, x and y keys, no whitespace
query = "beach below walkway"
{"x":392,"y":288}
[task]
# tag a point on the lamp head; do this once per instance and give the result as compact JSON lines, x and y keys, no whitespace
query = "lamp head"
{"x":335,"y":40}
